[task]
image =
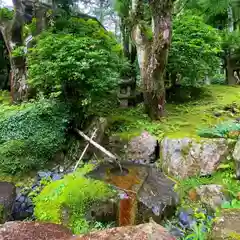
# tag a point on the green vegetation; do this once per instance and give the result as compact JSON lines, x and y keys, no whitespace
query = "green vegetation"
{"x":6,"y":14}
{"x":30,"y":134}
{"x":193,"y":39}
{"x":225,"y":177}
{"x":73,"y":69}
{"x":74,"y":194}
{"x":80,"y":63}
{"x":182,"y":120}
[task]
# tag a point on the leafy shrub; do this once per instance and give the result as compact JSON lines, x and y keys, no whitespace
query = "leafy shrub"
{"x":218,"y":79}
{"x":30,"y":134}
{"x":229,"y":129}
{"x":6,"y":14}
{"x":233,"y":204}
{"x":76,"y":61}
{"x":195,"y":48}
{"x":75,"y":193}
{"x":18,"y":52}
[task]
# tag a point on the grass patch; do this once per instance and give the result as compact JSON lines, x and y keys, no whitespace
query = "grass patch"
{"x":182,"y":120}
{"x":224,"y":177}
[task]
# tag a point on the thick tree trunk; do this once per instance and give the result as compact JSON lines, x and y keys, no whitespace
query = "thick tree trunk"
{"x":153,"y":54}
{"x":19,"y":88}
{"x":12,"y":35}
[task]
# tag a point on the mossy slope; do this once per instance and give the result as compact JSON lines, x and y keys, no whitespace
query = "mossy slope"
{"x":182,"y":120}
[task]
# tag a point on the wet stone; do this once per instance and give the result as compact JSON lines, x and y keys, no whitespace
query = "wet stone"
{"x":56,"y":176}
{"x":42,"y":174}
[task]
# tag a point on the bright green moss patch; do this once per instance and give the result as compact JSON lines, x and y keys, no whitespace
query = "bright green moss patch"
{"x":182,"y":120}
{"x":68,"y":200}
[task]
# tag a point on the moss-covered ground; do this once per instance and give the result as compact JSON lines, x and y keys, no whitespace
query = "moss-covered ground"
{"x":181,"y":120}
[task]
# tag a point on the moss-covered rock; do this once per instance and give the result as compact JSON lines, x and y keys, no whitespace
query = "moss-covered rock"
{"x":68,"y":201}
{"x":186,"y":157}
{"x":227,"y":227}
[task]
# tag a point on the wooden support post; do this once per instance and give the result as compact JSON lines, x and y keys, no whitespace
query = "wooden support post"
{"x":98,"y":146}
{"x":85,"y":149}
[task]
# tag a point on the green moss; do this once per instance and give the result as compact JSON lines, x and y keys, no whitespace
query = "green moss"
{"x":185,"y":150}
{"x":74,"y":194}
{"x":234,"y":236}
{"x":182,"y":120}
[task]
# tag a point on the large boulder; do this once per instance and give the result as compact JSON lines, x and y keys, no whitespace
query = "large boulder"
{"x":187,"y":157}
{"x":227,"y":226}
{"x":236,"y":157}
{"x":33,"y":231}
{"x":7,"y":198}
{"x":143,"y":149}
{"x":146,"y":231}
{"x":153,"y":191}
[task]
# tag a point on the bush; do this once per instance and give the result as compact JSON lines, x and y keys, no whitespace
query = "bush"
{"x":229,"y":129}
{"x":76,"y":61}
{"x":218,"y":79}
{"x":194,"y":50}
{"x":30,"y":134}
{"x":75,"y":193}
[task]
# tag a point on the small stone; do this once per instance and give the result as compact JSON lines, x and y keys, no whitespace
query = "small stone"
{"x":176,"y":232}
{"x":143,"y":148}
{"x":56,"y":177}
{"x":21,"y":199}
{"x":42,"y":174}
{"x":30,"y":210}
{"x":211,"y":195}
{"x":192,"y":195}
{"x":28,"y":202}
{"x":217,"y":114}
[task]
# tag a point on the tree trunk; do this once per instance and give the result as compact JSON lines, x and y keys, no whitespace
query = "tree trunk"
{"x":153,"y":54}
{"x":12,"y":35}
{"x":19,"y":88}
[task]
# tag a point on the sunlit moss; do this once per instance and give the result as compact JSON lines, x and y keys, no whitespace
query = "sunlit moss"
{"x":75,"y":193}
{"x":181,"y":120}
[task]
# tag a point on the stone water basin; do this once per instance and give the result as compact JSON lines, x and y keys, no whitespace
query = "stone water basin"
{"x":145,"y":192}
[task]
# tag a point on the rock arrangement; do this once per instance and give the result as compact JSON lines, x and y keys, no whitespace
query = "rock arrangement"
{"x":23,"y":206}
{"x":181,"y":158}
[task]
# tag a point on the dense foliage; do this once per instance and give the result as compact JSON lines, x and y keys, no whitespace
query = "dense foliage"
{"x":30,"y":134}
{"x":74,"y":194}
{"x":79,"y":62}
{"x":195,"y":49}
{"x":6,"y":14}
{"x":229,"y":129}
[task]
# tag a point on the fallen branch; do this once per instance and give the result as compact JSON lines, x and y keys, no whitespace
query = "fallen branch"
{"x":98,"y":146}
{"x":85,"y":149}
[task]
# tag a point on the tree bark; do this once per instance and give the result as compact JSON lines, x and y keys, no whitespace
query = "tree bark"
{"x":12,"y":35}
{"x":153,"y":54}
